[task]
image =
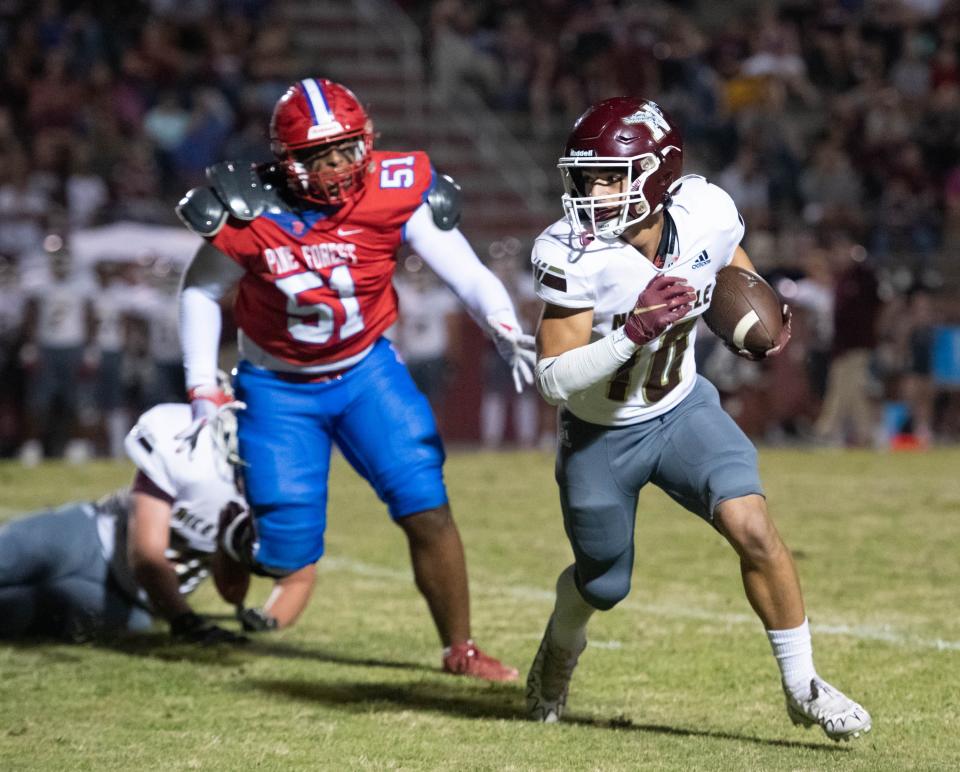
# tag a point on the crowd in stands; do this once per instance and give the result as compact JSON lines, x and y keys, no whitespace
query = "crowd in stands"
{"x":833,"y":124}
{"x":110,"y":111}
{"x":837,"y":115}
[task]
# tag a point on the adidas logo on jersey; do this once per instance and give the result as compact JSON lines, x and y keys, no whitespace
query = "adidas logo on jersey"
{"x":701,"y":260}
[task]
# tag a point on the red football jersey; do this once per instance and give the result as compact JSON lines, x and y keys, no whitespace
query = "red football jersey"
{"x":318,"y":287}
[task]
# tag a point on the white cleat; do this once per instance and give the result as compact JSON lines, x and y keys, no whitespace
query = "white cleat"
{"x":549,"y":679}
{"x":840,"y":717}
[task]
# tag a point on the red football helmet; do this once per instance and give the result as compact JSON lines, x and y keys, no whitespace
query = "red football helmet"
{"x":631,"y":135}
{"x":311,"y":116}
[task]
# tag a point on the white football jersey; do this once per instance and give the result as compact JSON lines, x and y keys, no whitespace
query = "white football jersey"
{"x":702,"y":228}
{"x":422,"y":324}
{"x":200,"y":482}
{"x":163,"y":314}
{"x":62,"y":312}
{"x":111,"y":305}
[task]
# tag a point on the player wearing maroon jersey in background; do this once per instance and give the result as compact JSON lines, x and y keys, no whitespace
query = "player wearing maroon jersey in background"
{"x":312,"y":242}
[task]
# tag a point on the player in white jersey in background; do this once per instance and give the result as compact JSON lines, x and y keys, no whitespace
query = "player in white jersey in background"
{"x":57,"y":351}
{"x":624,"y":277}
{"x":116,"y":305}
{"x":98,"y":568}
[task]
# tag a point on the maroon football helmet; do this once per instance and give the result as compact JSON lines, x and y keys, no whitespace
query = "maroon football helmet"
{"x":634,"y":136}
{"x":311,"y":116}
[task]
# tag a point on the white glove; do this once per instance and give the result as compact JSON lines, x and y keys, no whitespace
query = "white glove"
{"x":516,"y":348}
{"x":206,"y":404}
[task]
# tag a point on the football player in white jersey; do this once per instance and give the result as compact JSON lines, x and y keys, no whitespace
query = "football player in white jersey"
{"x":624,"y":277}
{"x":57,"y":350}
{"x":112,"y":565}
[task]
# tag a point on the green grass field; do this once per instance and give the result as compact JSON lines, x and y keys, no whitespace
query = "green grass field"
{"x":679,"y":676}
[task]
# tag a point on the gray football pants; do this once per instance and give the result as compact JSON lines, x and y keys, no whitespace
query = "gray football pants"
{"x":695,"y":453}
{"x":55,"y":581}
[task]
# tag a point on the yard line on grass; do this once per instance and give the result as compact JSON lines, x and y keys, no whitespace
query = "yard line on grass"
{"x":883,"y":634}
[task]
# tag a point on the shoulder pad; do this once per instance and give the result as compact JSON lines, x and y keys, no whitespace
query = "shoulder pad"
{"x":202,"y":211}
{"x":243,"y":189}
{"x":445,"y":202}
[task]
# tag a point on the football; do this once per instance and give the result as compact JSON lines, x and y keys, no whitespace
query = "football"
{"x":744,"y":311}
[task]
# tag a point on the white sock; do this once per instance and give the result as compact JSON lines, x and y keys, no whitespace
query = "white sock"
{"x":570,"y":614}
{"x":794,"y":652}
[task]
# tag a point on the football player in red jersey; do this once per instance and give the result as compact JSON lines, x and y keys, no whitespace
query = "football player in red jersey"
{"x":311,"y":242}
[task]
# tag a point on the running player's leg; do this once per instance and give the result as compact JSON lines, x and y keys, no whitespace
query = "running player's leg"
{"x":285,"y":443}
{"x":389,"y":436}
{"x":711,"y":469}
{"x":599,"y":505}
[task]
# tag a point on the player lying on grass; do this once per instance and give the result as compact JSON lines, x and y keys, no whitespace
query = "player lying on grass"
{"x":97,"y":568}
{"x":624,"y":277}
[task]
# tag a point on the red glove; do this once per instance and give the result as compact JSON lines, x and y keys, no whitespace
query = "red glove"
{"x":665,"y":300}
{"x":782,"y":339}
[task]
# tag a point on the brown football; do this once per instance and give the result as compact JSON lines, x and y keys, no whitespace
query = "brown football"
{"x":744,"y":310}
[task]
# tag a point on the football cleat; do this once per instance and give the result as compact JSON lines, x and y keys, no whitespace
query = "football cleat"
{"x":840,"y":717}
{"x":549,"y":679}
{"x":466,"y":659}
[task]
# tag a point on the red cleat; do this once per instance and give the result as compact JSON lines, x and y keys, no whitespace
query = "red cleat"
{"x":466,"y":659}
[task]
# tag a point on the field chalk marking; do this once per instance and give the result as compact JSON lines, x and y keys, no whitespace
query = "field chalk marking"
{"x":862,"y":632}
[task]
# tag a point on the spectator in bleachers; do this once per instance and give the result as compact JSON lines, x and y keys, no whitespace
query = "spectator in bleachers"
{"x":851,"y":109}
{"x":849,"y":415}
{"x":748,"y":185}
{"x":86,"y":193}
{"x":832,"y":190}
{"x":951,"y":204}
{"x":812,"y":302}
{"x":11,"y":338}
{"x":917,"y":385}
{"x":211,"y":119}
{"x":458,"y":56}
{"x":24,"y":204}
{"x":166,"y":124}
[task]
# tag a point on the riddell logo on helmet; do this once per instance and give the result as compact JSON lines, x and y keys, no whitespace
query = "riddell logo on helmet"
{"x":580,"y":153}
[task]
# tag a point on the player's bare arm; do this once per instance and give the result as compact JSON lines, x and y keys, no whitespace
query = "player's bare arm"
{"x":740,"y":259}
{"x":147,"y":541}
{"x":290,"y":596}
{"x":562,"y":329}
{"x":288,"y":599}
